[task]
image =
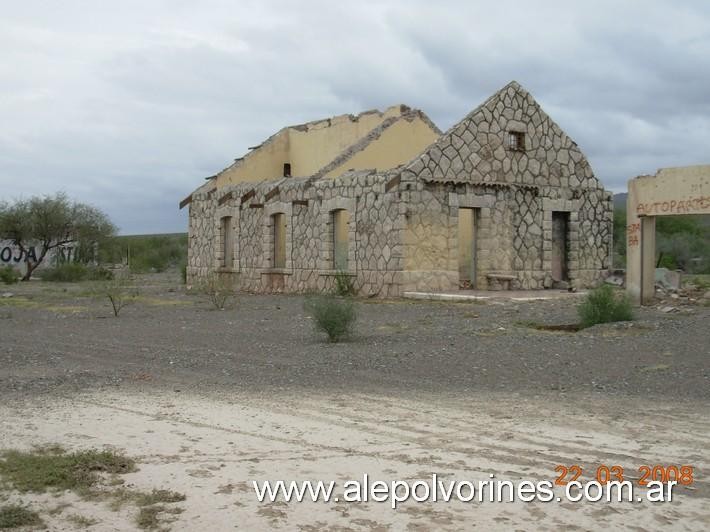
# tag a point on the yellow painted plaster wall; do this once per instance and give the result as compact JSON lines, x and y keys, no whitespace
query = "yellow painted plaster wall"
{"x":307,"y":148}
{"x":311,"y":150}
{"x":398,"y":144}
{"x":262,"y":164}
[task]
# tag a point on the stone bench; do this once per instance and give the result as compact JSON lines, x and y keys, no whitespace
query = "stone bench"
{"x":500,"y":279}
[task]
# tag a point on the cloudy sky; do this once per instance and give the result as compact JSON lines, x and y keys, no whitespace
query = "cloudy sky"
{"x":129,"y":104}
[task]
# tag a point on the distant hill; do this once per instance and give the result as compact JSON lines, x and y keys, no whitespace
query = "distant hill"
{"x":150,"y":235}
{"x":620,"y":200}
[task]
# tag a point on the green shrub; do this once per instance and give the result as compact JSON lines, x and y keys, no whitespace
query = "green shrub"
{"x":74,"y":272}
{"x":344,"y":285}
{"x":8,"y":275}
{"x":68,"y":272}
{"x":52,"y":467}
{"x":332,"y":315}
{"x":98,"y":273}
{"x":152,"y":260}
{"x":183,"y":272}
{"x":16,"y":516}
{"x":700,"y":282}
{"x":146,"y":253}
{"x":603,"y":305}
{"x":687,"y":251}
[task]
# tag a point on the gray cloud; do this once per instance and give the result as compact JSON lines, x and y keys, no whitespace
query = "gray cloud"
{"x":129,"y":105}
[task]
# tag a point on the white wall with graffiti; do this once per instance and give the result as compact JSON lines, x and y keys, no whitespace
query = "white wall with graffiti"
{"x":10,"y":255}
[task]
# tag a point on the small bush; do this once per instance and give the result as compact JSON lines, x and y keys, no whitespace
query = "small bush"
{"x":158,"y":496}
{"x":119,"y":290}
{"x":53,"y":468}
{"x":149,"y":517}
{"x":332,"y":315}
{"x":8,"y":275}
{"x":98,"y":273}
{"x":700,"y":282}
{"x":344,"y":285}
{"x":183,"y":272}
{"x":68,"y":272}
{"x":602,"y":305}
{"x":74,"y":272}
{"x":81,"y":521}
{"x":219,"y":289}
{"x":15,"y":516}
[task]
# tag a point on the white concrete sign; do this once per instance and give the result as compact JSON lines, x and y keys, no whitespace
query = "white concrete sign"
{"x":671,"y":192}
{"x":10,"y":255}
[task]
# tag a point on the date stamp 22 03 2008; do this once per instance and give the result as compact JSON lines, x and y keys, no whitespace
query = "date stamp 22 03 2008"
{"x":682,"y":474}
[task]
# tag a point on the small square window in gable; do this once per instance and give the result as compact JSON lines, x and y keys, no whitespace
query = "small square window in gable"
{"x":515,"y":141}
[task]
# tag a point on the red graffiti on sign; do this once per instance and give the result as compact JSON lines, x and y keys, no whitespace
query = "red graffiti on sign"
{"x":632,"y":232}
{"x":676,"y":206}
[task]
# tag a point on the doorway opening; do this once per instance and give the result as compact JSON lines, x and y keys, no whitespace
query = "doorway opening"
{"x":560,"y":249}
{"x":468,"y":225}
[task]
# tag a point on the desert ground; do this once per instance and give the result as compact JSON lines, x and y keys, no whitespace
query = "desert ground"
{"x":208,"y":400}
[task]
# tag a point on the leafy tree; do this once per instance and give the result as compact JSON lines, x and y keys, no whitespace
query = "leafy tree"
{"x":50,"y":222}
{"x":619,"y":237}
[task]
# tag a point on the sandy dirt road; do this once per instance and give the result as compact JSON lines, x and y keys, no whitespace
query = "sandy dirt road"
{"x":212,"y":448}
{"x":208,"y":401}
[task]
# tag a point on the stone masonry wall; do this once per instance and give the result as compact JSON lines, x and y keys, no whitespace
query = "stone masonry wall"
{"x":515,"y":189}
{"x":403,"y":229}
{"x":375,"y":234}
{"x":201,"y":236}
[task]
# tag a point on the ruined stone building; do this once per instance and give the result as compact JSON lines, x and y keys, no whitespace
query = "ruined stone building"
{"x":503,"y":199}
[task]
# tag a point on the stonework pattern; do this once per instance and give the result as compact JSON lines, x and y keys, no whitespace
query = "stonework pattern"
{"x":403,"y":229}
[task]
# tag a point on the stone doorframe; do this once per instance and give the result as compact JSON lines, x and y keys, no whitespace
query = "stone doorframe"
{"x":325,"y":258}
{"x":484,"y":242}
{"x":268,"y":236}
{"x":229,"y":209}
{"x":560,"y":205}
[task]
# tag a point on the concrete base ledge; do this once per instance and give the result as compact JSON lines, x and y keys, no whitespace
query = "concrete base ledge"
{"x":522,"y":295}
{"x":432,"y":296}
